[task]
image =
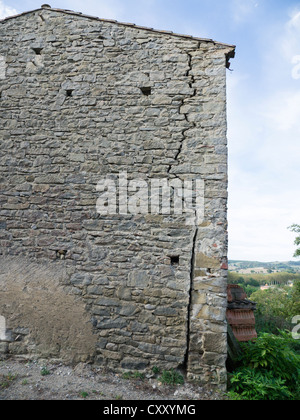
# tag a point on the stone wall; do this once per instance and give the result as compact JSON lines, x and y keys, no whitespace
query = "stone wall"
{"x":84,"y":100}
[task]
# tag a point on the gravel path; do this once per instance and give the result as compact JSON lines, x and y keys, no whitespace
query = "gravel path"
{"x":35,"y":380}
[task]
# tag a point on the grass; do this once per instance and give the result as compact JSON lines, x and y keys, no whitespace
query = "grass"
{"x":133,"y":375}
{"x":171,"y":377}
{"x":156,"y":370}
{"x":45,"y":371}
{"x":6,"y":380}
{"x":83,"y":394}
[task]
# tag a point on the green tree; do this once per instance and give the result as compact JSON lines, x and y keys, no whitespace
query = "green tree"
{"x":295,"y":299}
{"x":296,"y":229}
{"x":272,"y":302}
{"x":276,"y":307}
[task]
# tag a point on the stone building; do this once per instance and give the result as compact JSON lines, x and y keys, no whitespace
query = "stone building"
{"x":113,"y":194}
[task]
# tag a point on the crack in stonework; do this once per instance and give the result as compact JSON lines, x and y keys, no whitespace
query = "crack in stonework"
{"x":195,"y":233}
{"x":189,"y":308}
{"x":192,"y":81}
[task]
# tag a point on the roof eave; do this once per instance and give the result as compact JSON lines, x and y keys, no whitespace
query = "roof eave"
{"x":130,"y":25}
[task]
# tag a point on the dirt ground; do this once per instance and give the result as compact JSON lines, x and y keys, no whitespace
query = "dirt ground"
{"x":35,"y":380}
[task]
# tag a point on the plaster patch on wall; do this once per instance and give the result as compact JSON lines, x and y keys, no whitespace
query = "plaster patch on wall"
{"x":32,"y":297}
{"x":2,"y":67}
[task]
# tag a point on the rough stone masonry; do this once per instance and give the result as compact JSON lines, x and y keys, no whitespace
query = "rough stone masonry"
{"x":85,"y":99}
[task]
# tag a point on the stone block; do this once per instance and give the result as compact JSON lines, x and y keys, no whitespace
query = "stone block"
{"x":203,"y":261}
{"x":134,"y":364}
{"x":3,"y":348}
{"x":138,"y":279}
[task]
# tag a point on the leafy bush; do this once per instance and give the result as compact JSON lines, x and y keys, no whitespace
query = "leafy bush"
{"x":269,"y":369}
{"x":255,"y":385}
{"x":270,"y":323}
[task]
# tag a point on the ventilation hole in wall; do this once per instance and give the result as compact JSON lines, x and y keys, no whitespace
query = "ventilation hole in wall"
{"x":69,"y":93}
{"x":61,"y":254}
{"x":146,"y":91}
{"x":174,"y":260}
{"x":37,"y":50}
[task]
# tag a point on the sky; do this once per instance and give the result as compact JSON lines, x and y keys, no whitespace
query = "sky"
{"x":263,"y":104}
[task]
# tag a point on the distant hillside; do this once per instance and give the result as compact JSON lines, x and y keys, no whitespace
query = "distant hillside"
{"x":263,"y":267}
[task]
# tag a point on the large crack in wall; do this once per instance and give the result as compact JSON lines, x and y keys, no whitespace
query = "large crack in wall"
{"x":191,"y":82}
{"x":183,"y":101}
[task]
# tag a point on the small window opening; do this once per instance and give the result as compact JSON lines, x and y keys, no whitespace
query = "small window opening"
{"x":69,"y":93}
{"x":175,"y":260}
{"x":61,"y":254}
{"x":146,"y":91}
{"x":37,"y":50}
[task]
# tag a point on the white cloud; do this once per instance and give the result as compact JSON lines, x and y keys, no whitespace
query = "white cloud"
{"x":294,"y":22}
{"x":264,"y":152}
{"x":99,"y":8}
{"x":259,"y":218}
{"x":120,"y":10}
{"x":242,"y":9}
{"x":283,"y":110}
{"x":6,"y":11}
{"x":290,"y":39}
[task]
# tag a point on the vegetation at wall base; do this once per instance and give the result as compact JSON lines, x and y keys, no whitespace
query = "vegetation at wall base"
{"x":171,"y":377}
{"x":268,"y":369}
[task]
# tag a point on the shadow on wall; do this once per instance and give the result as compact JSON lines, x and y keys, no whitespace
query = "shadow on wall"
{"x":40,"y":318}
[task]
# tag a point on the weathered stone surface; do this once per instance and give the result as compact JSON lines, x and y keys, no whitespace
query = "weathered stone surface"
{"x":203,"y":261}
{"x":134,"y":364}
{"x":84,"y":100}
